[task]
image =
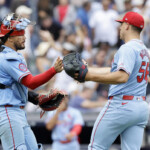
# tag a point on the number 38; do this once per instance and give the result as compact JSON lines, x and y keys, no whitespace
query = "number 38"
{"x":145,"y":72}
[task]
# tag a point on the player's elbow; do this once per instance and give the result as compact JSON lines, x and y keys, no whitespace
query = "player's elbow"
{"x":32,"y":87}
{"x":29,"y":82}
{"x":124,"y":80}
{"x":123,"y":77}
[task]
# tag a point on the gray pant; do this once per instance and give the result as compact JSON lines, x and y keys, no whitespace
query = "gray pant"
{"x":15,"y":132}
{"x":126,"y":118}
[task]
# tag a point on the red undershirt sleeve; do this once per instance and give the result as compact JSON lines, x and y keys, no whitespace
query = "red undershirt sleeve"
{"x":76,"y":129}
{"x":33,"y":82}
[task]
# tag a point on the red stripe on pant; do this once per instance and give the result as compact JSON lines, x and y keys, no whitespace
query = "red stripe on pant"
{"x":99,"y":123}
{"x":10,"y":128}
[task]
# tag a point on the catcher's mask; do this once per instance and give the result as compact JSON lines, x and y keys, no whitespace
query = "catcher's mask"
{"x":14,"y":25}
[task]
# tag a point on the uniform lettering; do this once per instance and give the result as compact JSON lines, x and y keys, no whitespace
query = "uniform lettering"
{"x":144,"y":53}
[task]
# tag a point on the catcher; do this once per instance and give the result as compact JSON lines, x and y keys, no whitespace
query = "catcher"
{"x":15,"y":79}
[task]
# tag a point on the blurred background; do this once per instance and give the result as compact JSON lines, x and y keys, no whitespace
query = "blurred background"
{"x":65,"y":26}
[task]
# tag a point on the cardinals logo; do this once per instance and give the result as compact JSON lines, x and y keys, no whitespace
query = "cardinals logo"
{"x":22,"y":67}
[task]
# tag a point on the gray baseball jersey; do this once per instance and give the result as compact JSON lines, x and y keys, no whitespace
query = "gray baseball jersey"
{"x":126,"y":112}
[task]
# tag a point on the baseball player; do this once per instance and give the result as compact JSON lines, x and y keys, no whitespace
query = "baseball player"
{"x":126,"y":113}
{"x":15,"y":79}
{"x":66,"y":124}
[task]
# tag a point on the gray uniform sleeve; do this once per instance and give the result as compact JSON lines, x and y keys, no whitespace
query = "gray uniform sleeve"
{"x":16,"y":69}
{"x":126,"y":59}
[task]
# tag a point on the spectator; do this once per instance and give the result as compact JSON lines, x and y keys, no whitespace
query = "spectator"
{"x":83,"y":41}
{"x":104,"y":27}
{"x":68,"y":48}
{"x":25,"y":12}
{"x":128,"y":6}
{"x":95,"y":6}
{"x":16,"y":3}
{"x":83,"y":15}
{"x":71,"y":38}
{"x":66,"y":125}
{"x":54,"y":27}
{"x":65,"y":14}
{"x":141,"y":7}
{"x":45,"y":5}
{"x":77,"y":3}
{"x":83,"y":102}
{"x":138,"y":5}
{"x":3,"y":9}
{"x":100,"y":58}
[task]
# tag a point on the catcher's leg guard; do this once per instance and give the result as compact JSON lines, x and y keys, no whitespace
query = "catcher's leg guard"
{"x":40,"y":147}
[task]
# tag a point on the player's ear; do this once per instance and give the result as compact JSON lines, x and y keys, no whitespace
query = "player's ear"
{"x":127,"y":26}
{"x":10,"y":39}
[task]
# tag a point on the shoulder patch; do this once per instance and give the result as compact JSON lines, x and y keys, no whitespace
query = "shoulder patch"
{"x":23,"y":67}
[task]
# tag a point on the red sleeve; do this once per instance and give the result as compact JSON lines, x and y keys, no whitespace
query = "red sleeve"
{"x":33,"y":82}
{"x":76,"y":129}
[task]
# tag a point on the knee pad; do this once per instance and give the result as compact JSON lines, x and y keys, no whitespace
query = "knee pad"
{"x":21,"y":147}
{"x":40,"y":147}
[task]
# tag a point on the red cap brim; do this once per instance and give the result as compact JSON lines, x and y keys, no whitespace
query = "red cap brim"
{"x":121,"y":21}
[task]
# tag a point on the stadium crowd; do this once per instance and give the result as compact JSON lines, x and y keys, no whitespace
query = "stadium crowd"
{"x":65,"y":26}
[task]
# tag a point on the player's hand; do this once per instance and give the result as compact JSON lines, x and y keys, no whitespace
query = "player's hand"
{"x":77,"y":74}
{"x":69,"y":136}
{"x":58,"y":65}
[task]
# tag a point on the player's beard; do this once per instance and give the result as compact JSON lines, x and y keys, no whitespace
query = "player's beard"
{"x":19,"y":46}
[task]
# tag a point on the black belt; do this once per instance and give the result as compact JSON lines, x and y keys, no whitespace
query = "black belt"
{"x":2,"y":86}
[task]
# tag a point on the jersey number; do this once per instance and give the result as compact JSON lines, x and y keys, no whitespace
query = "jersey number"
{"x":145,"y":72}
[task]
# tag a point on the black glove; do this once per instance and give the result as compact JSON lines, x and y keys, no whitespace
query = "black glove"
{"x":73,"y":64}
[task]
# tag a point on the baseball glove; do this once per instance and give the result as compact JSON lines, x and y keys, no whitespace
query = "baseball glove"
{"x":47,"y":102}
{"x":52,"y":100}
{"x":73,"y":64}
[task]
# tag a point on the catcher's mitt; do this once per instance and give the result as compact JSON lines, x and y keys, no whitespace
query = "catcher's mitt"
{"x":52,"y":100}
{"x":73,"y":64}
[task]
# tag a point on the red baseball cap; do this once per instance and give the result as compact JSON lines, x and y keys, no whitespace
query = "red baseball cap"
{"x":134,"y":19}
